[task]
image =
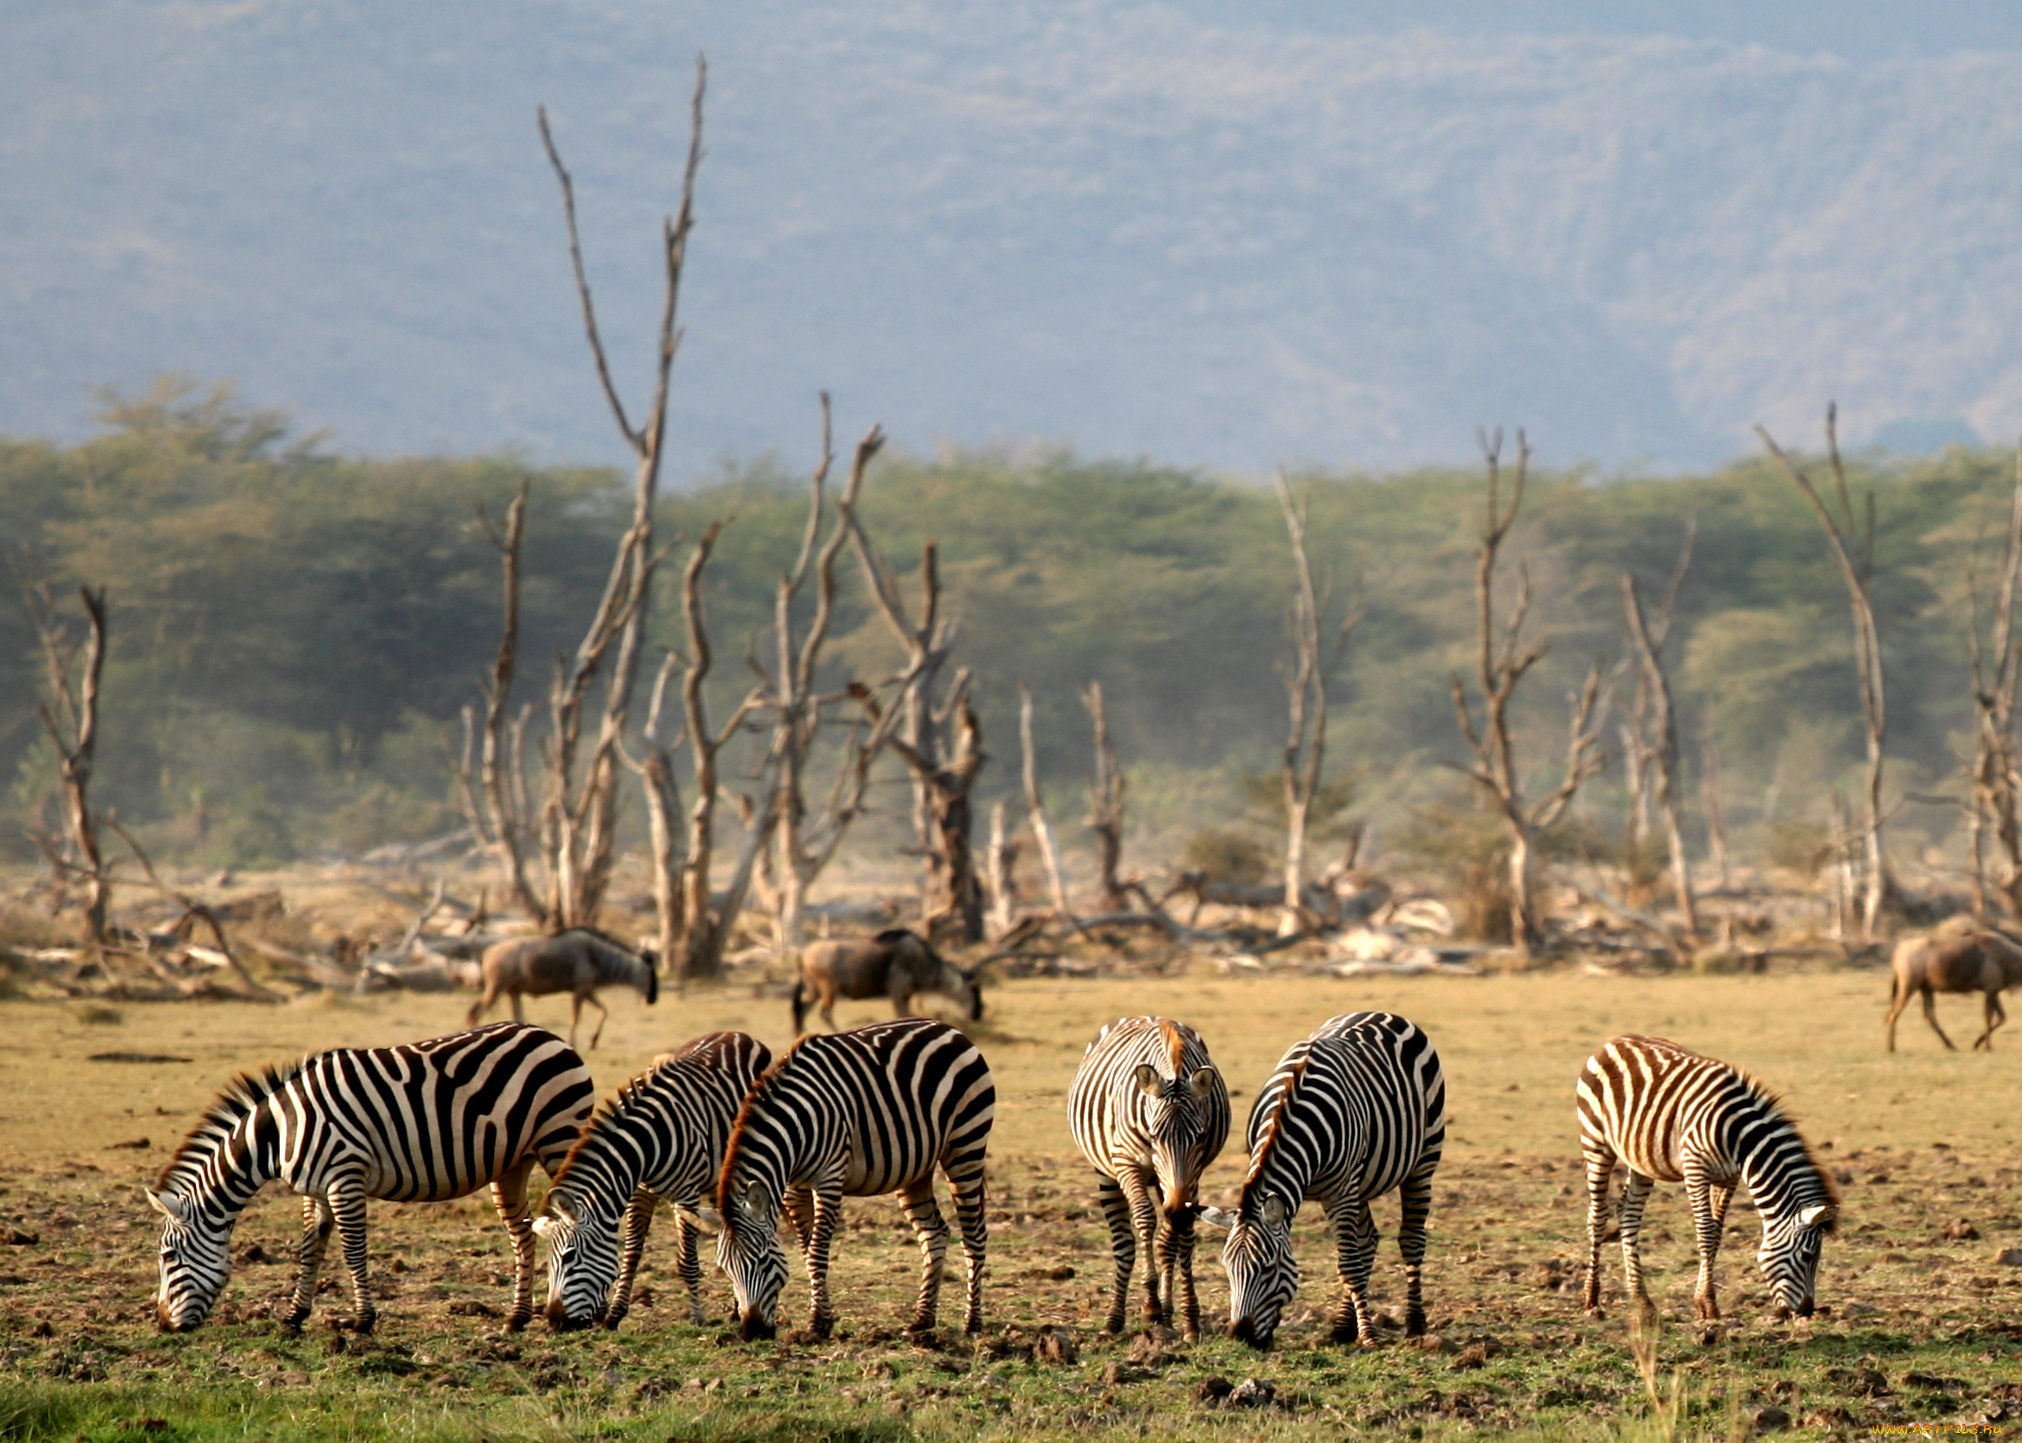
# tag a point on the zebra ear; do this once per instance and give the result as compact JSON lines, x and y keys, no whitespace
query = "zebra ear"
{"x":708,"y":1220}
{"x":1276,"y":1211}
{"x":1818,"y":1217}
{"x":164,"y":1205}
{"x":543,"y":1225}
{"x":754,"y":1199}
{"x":1218,"y":1217}
{"x":1203,"y":1082}
{"x":1148,"y":1080}
{"x":557,"y":1208}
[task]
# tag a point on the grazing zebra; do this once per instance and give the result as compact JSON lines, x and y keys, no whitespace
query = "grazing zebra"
{"x":1674,"y":1115}
{"x":1149,"y":1112}
{"x":421,"y":1123}
{"x":662,"y":1136}
{"x":858,"y":1113}
{"x":577,"y":961}
{"x":1353,"y":1111}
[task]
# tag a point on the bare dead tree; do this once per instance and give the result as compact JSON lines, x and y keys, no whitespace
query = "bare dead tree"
{"x":706,"y":919}
{"x":493,"y":799}
{"x":1658,"y":727}
{"x":1035,"y":808}
{"x":69,"y":715}
{"x":1105,"y":805}
{"x":806,"y":841}
{"x":1000,"y":871}
{"x":1640,"y":739}
{"x":579,"y":804}
{"x":1851,"y":540}
{"x":940,"y":740}
{"x":1997,"y":784}
{"x":654,"y":767}
{"x":1315,"y":659}
{"x":1712,"y":793}
{"x":1502,"y":661}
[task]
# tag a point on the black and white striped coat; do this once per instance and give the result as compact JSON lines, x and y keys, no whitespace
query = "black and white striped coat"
{"x":860,"y":1113}
{"x":1150,"y":1112}
{"x":421,"y":1123}
{"x":1672,"y":1115}
{"x":662,"y":1136}
{"x":1352,"y":1112}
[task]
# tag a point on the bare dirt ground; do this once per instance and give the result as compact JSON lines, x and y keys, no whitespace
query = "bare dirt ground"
{"x":1921,"y":1322}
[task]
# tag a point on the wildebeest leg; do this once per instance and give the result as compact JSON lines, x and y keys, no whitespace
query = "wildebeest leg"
{"x":1897,"y":1002}
{"x":828,"y":996}
{"x":603,"y":1016}
{"x":509,"y":1196}
{"x":575,"y":1016}
{"x":316,"y":1224}
{"x":1995,"y":1014}
{"x":483,"y":1003}
{"x":1931,"y":1016}
{"x":902,"y":1004}
{"x":519,"y":1009}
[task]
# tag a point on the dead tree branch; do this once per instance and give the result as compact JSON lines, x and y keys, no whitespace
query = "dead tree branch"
{"x":1997,"y":785}
{"x":1105,"y":805}
{"x":1035,"y":809}
{"x":69,"y":715}
{"x":1658,"y":736}
{"x":1851,"y":540}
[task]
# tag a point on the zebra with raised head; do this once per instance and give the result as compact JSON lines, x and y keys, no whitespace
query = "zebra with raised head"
{"x":1150,"y":1112}
{"x":860,"y":1113}
{"x":1352,"y":1112}
{"x":662,"y":1136}
{"x":421,"y":1123}
{"x":1675,"y":1116}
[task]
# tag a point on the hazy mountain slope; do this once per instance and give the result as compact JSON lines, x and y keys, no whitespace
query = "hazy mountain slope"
{"x":1107,"y":222}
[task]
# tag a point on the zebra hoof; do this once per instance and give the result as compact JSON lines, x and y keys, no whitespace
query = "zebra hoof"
{"x":516,"y":1321}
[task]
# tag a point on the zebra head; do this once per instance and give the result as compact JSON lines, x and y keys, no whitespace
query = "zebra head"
{"x":196,"y":1259}
{"x":582,"y":1261}
{"x":748,"y":1251}
{"x":1176,"y":1117}
{"x":1789,"y":1255}
{"x":1263,"y":1273}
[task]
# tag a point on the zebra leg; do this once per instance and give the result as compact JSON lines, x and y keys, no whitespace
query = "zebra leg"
{"x":1354,"y":1256}
{"x":1600,"y":1169}
{"x":638,"y":1221}
{"x":1416,"y":1197}
{"x":1144,"y":1223}
{"x":970,"y":1190}
{"x":1176,"y":1237}
{"x":799,"y":1205}
{"x":932,"y":1230}
{"x":687,"y":1239}
{"x":509,"y":1196}
{"x":1122,"y":1247}
{"x":1706,"y":1220}
{"x":1635,"y":1193}
{"x":316,"y":1223}
{"x":347,"y":1208}
{"x":827,"y":1214}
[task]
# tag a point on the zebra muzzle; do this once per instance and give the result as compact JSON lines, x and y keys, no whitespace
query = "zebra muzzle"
{"x":1244,"y":1330}
{"x":752,"y":1328}
{"x":560,"y":1320}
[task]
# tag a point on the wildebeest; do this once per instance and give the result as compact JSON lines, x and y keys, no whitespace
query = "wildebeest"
{"x":577,"y":961}
{"x":897,"y":963}
{"x":1979,"y":960}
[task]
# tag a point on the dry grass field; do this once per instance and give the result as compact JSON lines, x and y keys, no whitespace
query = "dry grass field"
{"x":1919,"y":1323}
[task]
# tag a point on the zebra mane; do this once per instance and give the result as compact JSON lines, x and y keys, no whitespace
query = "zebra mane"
{"x":1176,"y":1046}
{"x":1778,"y":1112}
{"x":1267,"y":1141}
{"x":629,"y":1091}
{"x":734,"y":1149}
{"x":236,"y":1100}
